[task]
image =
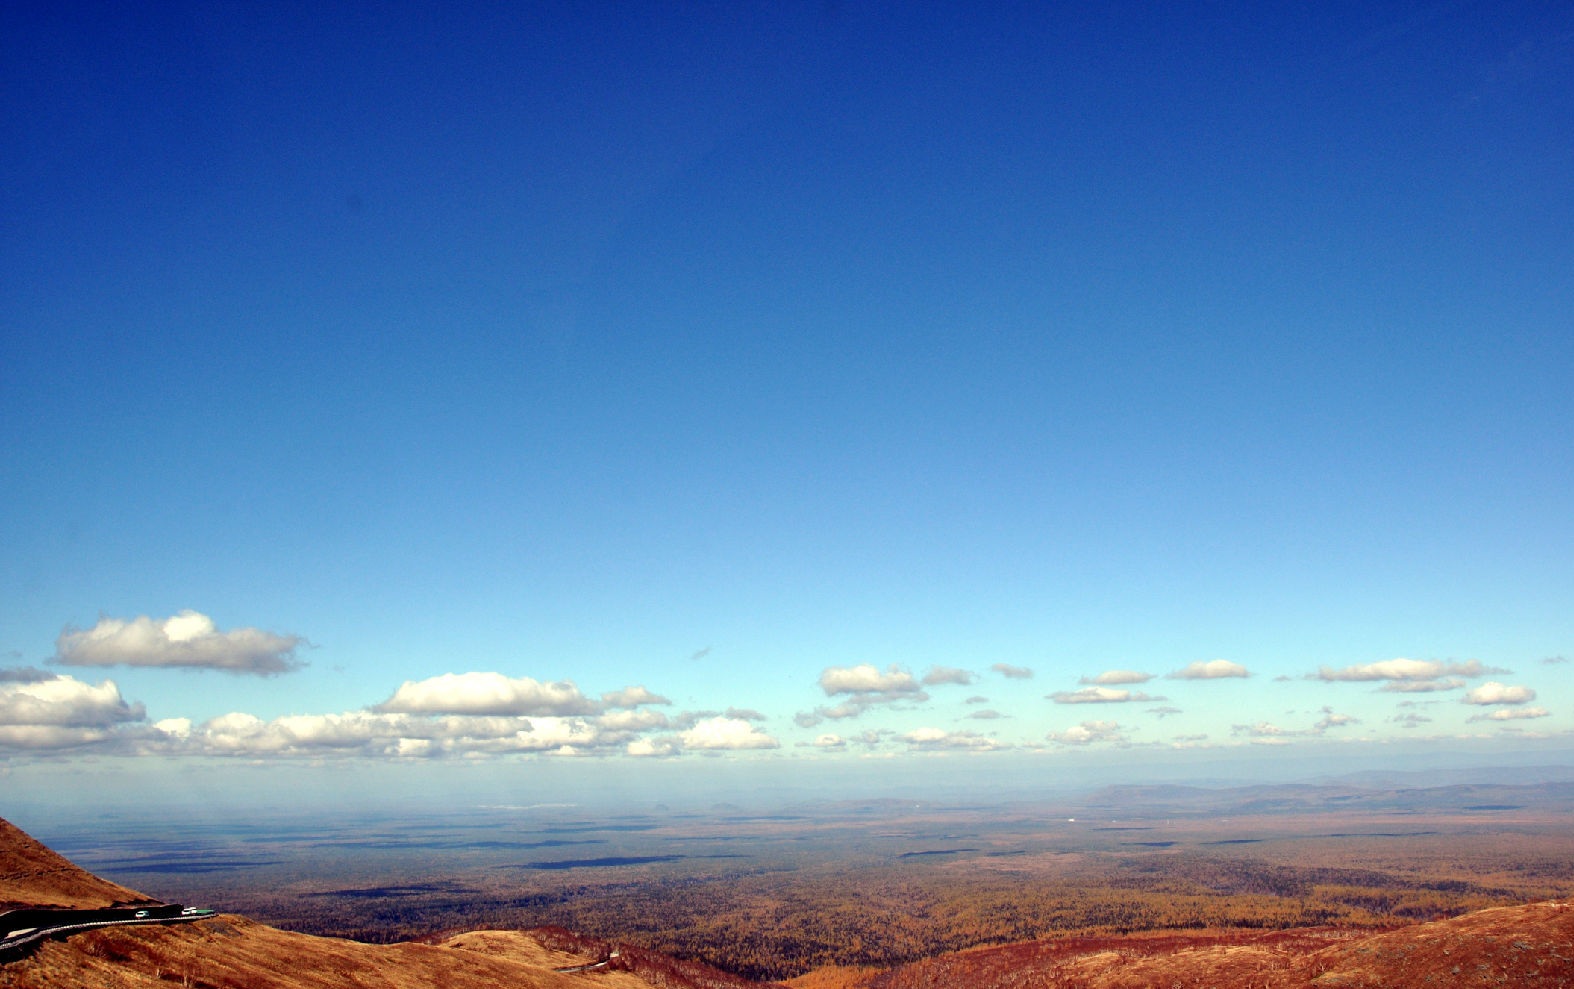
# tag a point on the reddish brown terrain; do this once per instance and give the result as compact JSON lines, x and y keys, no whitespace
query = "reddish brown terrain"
{"x":230,"y":952}
{"x":1530,"y":945}
{"x":33,"y":875}
{"x":1525,"y":945}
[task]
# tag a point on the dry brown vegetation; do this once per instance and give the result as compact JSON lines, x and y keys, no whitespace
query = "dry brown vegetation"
{"x":787,"y":918}
{"x":33,"y":875}
{"x":911,"y":899}
{"x":1513,"y":946}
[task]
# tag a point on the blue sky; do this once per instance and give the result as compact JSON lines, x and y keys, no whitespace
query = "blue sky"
{"x":858,"y":381}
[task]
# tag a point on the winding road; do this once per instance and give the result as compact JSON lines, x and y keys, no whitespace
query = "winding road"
{"x":21,"y":929}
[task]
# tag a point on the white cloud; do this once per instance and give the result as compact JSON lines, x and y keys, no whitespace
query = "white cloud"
{"x":651,"y":747}
{"x":727,"y":733}
{"x":829,"y":741}
{"x":1493,"y":692}
{"x":490,"y":693}
{"x":1087,"y":733}
{"x":631,"y":697}
{"x":931,"y":739}
{"x":1420,"y":686}
{"x":938,"y":675}
{"x":1111,"y":677}
{"x":1261,"y":729}
{"x":864,"y":686}
{"x":1513,"y":714}
{"x":1100,"y":695}
{"x":1407,"y":669}
{"x":65,"y":701}
{"x":188,"y":640}
{"x":376,"y":734}
{"x":1330,"y":719}
{"x":40,"y":737}
{"x":867,"y":679}
{"x":1215,"y":669}
{"x":1012,"y":672}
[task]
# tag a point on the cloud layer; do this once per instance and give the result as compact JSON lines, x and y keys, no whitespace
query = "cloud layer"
{"x":1215,"y":669}
{"x":188,"y":640}
{"x":62,"y":712}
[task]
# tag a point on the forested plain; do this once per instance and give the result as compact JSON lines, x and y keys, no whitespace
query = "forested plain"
{"x":772,"y":896}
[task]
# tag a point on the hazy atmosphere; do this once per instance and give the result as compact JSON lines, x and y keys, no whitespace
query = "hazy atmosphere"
{"x":580,"y":398}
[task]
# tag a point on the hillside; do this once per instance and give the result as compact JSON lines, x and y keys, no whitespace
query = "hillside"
{"x":33,"y":875}
{"x":230,"y":952}
{"x":1531,"y":945}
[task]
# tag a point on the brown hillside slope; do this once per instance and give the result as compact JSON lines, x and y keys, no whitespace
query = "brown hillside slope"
{"x":34,"y":876}
{"x":1530,"y":945}
{"x":229,"y":952}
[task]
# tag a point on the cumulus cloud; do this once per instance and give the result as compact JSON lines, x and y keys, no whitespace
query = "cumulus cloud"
{"x":491,"y":693}
{"x":722,"y":733}
{"x":863,"y":686}
{"x":1420,"y":686}
{"x":1513,"y":714}
{"x":938,"y":675}
{"x":65,"y":701}
{"x":1100,"y":695}
{"x":746,"y":714}
{"x":1267,"y":732}
{"x":1116,"y":677}
{"x":188,"y":640}
{"x":1331,"y":719}
{"x":1407,"y":670}
{"x":651,"y":748}
{"x":1012,"y":672}
{"x":984,"y":714}
{"x":832,"y":742}
{"x":1213,"y":669}
{"x":62,"y":712}
{"x":936,"y":739}
{"x":1493,"y":692}
{"x":1264,"y":733}
{"x":1087,"y":733}
{"x":866,"y":679}
{"x":631,"y":697}
{"x":377,"y":734}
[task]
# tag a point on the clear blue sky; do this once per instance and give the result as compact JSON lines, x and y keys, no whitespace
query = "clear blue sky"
{"x":823,"y":369}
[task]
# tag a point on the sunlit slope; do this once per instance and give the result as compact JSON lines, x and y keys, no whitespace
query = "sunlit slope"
{"x":1503,"y":946}
{"x":35,"y":876}
{"x":229,"y":952}
{"x":234,"y":953}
